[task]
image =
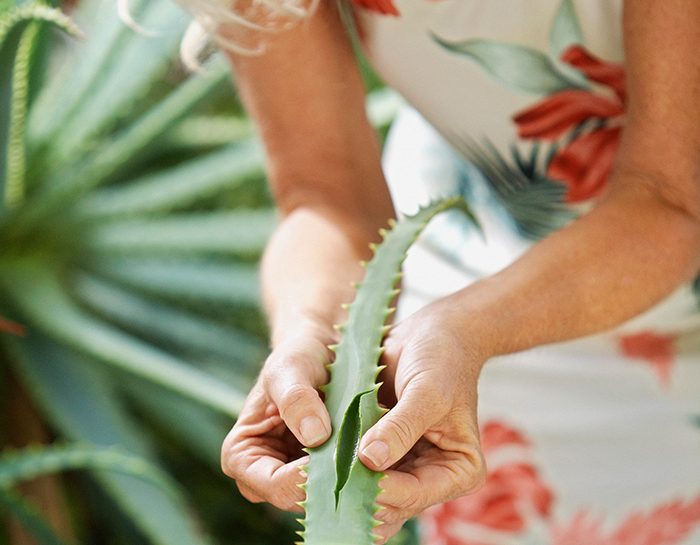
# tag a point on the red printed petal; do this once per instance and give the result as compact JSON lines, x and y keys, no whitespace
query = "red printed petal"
{"x":496,"y":434}
{"x":562,"y":111}
{"x":513,"y":492}
{"x":595,"y":69}
{"x":585,"y":164}
{"x":8,"y":326}
{"x":385,"y":7}
{"x":582,"y":529}
{"x":668,"y":524}
{"x":657,"y":349}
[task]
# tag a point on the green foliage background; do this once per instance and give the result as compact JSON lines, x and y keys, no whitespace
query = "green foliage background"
{"x":133,"y":211}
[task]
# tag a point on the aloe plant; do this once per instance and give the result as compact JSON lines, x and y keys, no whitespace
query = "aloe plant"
{"x":340,"y":491}
{"x":29,"y":463}
{"x":132,"y":215}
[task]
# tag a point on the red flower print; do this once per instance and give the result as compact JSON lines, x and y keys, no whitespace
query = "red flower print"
{"x":606,"y":73}
{"x":657,"y":349}
{"x":513,"y":491}
{"x":585,"y":162}
{"x":385,"y":7}
{"x":667,"y":524}
{"x":8,"y":326}
{"x":495,"y":434}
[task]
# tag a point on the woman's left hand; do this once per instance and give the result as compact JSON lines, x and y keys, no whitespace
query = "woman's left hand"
{"x":428,"y":443}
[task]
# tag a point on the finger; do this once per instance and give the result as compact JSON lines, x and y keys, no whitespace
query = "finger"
{"x":400,"y":497}
{"x":405,"y":494}
{"x":276,"y":482}
{"x":248,"y":493}
{"x":396,"y":433}
{"x":291,"y":386}
{"x":387,"y":531}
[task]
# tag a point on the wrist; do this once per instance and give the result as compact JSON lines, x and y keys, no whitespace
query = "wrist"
{"x":302,"y":324}
{"x":468,"y":317}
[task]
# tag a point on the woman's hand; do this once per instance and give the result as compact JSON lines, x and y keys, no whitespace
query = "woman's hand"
{"x":283,"y":412}
{"x":429,"y":440}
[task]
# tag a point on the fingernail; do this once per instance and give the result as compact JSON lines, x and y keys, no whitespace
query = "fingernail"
{"x":312,"y":430}
{"x":377,"y":452}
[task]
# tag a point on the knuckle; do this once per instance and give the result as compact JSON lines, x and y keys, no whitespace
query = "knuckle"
{"x":294,"y":396}
{"x":473,"y":474}
{"x":248,"y":494}
{"x":226,"y":465}
{"x":409,"y":505}
{"x":402,"y":428}
{"x":287,"y":505}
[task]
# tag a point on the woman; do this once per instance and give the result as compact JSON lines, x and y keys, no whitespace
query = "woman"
{"x":574,"y":313}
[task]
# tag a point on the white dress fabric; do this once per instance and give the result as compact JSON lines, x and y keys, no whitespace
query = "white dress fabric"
{"x":517,"y":105}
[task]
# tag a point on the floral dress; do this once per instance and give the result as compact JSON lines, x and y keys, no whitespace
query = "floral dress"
{"x":518,"y":105}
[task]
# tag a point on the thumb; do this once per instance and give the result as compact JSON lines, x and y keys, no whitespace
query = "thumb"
{"x":398,"y":431}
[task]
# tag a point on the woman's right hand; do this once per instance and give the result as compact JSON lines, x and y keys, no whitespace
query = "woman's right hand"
{"x":283,"y":413}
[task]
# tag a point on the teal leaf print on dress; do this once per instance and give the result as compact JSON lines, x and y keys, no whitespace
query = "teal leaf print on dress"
{"x":533,"y":201}
{"x":566,"y":29}
{"x":519,"y":67}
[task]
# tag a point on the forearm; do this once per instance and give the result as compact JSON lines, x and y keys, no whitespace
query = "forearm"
{"x":308,"y":269}
{"x":612,"y":264}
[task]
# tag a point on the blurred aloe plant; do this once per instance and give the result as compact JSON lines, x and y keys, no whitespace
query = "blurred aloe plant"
{"x":131,"y":220}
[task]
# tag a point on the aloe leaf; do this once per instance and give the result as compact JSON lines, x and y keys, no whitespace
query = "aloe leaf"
{"x":32,"y":462}
{"x":236,"y":232}
{"x":81,"y":401}
{"x":113,"y":97}
{"x":14,"y":84}
{"x":115,"y":156}
{"x":187,"y":330}
{"x":28,"y":515}
{"x":12,"y":23}
{"x":208,"y":131}
{"x":35,"y":290}
{"x":521,"y":68}
{"x":340,"y":490}
{"x":193,"y":427}
{"x":178,"y":187}
{"x":81,"y":68}
{"x":16,"y":168}
{"x":185,"y":280}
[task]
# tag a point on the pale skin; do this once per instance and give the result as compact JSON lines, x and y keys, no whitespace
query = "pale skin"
{"x":640,"y":242}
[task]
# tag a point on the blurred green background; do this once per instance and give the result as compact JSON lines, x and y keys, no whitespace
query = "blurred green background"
{"x":133,"y":212}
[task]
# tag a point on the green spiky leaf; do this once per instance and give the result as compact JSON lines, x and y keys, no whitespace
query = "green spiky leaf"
{"x":341,"y":491}
{"x":31,"y":462}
